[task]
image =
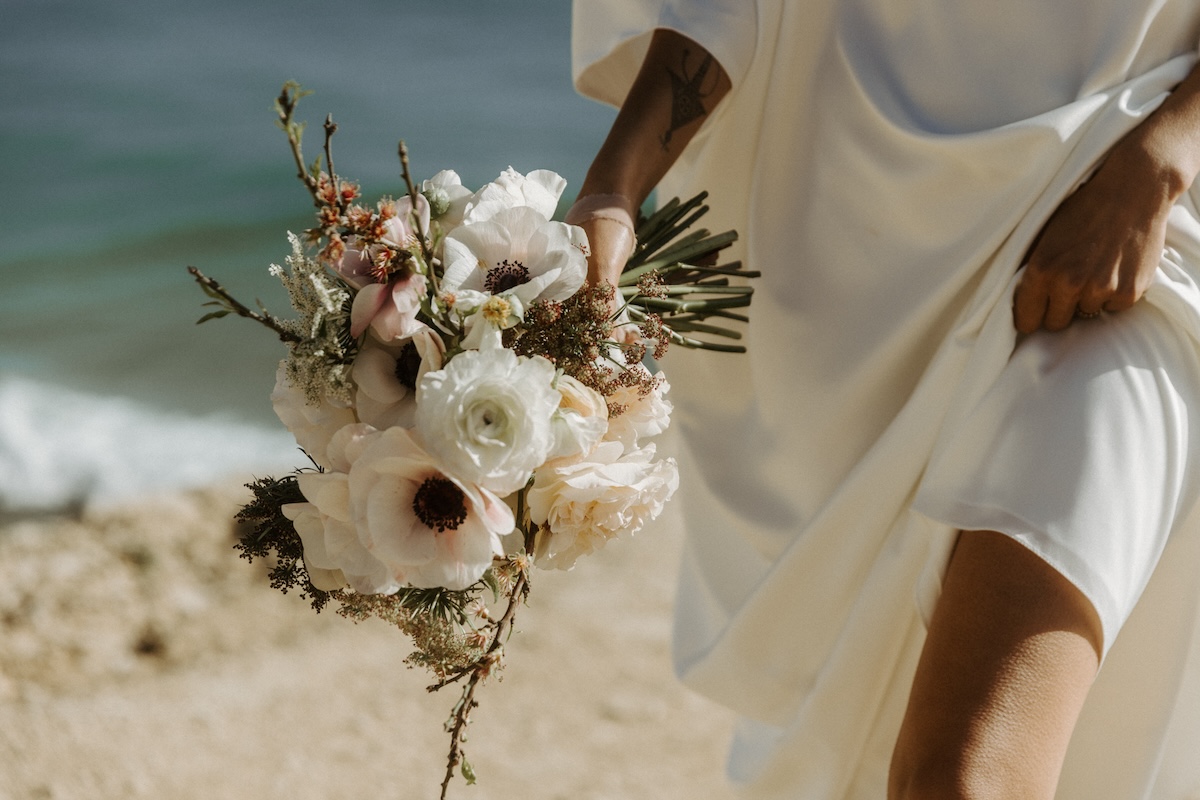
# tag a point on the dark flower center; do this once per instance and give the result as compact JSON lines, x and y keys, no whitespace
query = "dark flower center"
{"x":505,"y":276}
{"x":440,"y":504}
{"x":408,"y":364}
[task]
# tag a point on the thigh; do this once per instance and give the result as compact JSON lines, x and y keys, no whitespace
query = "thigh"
{"x":1012,"y":649}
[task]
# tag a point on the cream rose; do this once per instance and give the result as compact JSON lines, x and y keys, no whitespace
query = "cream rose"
{"x":643,"y":414}
{"x":581,"y":505}
{"x":580,"y":421}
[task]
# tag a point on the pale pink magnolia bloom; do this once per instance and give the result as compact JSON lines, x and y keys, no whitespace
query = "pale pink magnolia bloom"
{"x":388,"y":309}
{"x":429,"y":528}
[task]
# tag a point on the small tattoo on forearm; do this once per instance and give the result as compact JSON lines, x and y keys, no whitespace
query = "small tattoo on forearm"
{"x":687,"y":95}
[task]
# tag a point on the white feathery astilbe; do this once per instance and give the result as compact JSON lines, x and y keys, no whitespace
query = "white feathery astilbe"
{"x":319,"y":364}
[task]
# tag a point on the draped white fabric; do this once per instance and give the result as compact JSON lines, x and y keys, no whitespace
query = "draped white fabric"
{"x":888,"y":163}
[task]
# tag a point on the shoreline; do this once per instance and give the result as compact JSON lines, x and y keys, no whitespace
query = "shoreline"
{"x":140,"y":658}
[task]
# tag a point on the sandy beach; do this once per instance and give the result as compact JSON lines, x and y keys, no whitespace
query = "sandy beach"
{"x":140,"y":658}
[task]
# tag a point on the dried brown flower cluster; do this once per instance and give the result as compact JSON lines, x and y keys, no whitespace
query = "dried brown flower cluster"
{"x":576,"y":335}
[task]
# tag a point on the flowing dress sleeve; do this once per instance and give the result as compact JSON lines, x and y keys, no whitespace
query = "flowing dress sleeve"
{"x":610,"y":38}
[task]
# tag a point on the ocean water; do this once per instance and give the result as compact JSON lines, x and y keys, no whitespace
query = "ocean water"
{"x":137,"y":137}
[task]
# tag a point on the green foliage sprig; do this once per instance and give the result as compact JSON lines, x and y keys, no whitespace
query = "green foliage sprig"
{"x":272,"y":535}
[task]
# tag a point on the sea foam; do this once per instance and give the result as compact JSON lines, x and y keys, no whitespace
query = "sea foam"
{"x":63,"y":450}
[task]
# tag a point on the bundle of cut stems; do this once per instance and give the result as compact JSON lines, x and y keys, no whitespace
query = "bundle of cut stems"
{"x":697,"y":288}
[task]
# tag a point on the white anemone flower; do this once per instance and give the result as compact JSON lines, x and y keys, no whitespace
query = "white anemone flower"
{"x":386,"y":377}
{"x":517,"y":252}
{"x":333,"y":554}
{"x":428,"y":528}
{"x":538,"y":190}
{"x":487,"y":416}
{"x":313,"y":425}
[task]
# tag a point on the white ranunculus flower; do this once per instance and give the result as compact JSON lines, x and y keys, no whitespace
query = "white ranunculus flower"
{"x":580,"y":421}
{"x":386,"y":377}
{"x":486,"y":416}
{"x":516,"y":252}
{"x":581,"y":505}
{"x":428,"y":528}
{"x":313,"y":426}
{"x":333,"y":554}
{"x":539,"y":190}
{"x":643,"y":415}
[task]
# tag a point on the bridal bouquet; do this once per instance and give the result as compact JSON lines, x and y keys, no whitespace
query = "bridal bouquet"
{"x":455,"y":383}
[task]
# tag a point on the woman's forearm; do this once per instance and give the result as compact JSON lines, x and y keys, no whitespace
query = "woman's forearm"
{"x":1099,"y":251}
{"x":1165,"y":148}
{"x":678,"y":86}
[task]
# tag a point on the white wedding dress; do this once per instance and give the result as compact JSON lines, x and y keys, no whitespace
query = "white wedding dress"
{"x":888,"y":163}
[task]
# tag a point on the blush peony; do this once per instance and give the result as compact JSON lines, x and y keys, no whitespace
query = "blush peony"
{"x":642,"y":415}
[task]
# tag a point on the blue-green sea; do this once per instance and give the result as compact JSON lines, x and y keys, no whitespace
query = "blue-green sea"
{"x":137,"y":138}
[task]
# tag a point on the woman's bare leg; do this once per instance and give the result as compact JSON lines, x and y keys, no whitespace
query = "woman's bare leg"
{"x":1012,"y":650}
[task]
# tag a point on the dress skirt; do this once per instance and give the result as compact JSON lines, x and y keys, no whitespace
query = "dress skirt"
{"x":888,"y":164}
{"x":1083,"y":451}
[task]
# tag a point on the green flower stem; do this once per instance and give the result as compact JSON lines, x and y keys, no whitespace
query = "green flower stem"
{"x":722,"y":313}
{"x":706,"y":288}
{"x":677,"y":257}
{"x":663,"y":225}
{"x":670,"y":231}
{"x":697,"y":344}
{"x":692,"y":306}
{"x":699,"y":327}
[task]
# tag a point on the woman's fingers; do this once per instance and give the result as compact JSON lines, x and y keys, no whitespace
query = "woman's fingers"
{"x":1052,"y":298}
{"x":1029,"y":304}
{"x":1095,"y":254}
